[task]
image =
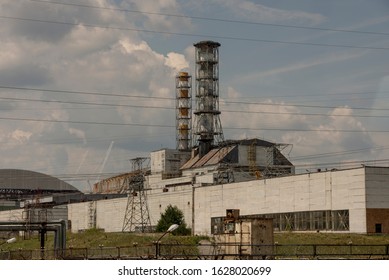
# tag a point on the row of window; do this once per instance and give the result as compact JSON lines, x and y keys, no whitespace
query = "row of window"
{"x":327,"y":220}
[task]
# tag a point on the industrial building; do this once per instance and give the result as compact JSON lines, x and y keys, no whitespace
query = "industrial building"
{"x":354,"y":200}
{"x":23,"y":185}
{"x":206,"y":175}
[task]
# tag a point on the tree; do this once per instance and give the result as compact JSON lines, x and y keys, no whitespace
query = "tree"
{"x":173,"y":215}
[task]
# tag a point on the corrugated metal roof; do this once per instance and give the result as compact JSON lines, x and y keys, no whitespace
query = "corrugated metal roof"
{"x":213,"y":157}
{"x":190,"y":162}
{"x":203,"y":161}
{"x":219,"y":156}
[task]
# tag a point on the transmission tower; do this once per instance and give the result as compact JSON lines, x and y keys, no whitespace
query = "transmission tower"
{"x":137,"y":217}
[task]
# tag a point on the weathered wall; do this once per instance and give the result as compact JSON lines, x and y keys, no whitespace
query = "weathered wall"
{"x":78,"y":216}
{"x":377,"y":199}
{"x":331,"y":190}
{"x":377,"y":187}
{"x":11,"y":215}
{"x":376,"y":217}
{"x":110,"y":213}
{"x":309,"y":192}
{"x":36,"y":214}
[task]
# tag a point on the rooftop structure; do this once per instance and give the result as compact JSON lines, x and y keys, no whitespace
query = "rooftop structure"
{"x":18,"y":184}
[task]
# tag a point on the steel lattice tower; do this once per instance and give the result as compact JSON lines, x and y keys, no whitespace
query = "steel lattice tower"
{"x":184,"y":111}
{"x":137,"y":217}
{"x":207,"y":126}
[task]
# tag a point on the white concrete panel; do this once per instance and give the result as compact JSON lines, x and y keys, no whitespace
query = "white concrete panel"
{"x":78,"y":215}
{"x":358,"y":220}
{"x":337,"y":190}
{"x":110,"y":214}
{"x":11,"y":215}
{"x":309,"y":192}
{"x":181,"y":197}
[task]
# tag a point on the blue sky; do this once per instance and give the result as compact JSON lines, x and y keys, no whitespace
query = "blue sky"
{"x":313,"y":74}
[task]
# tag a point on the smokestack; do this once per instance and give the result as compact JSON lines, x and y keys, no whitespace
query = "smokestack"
{"x":183,"y":111}
{"x":207,"y":126}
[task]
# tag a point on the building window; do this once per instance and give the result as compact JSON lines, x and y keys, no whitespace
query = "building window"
{"x":337,"y":220}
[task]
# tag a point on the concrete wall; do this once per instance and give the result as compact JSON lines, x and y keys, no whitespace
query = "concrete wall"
{"x":377,"y":187}
{"x":11,"y":215}
{"x":309,"y":192}
{"x":78,"y":215}
{"x":36,"y":215}
{"x":167,"y":160}
{"x":353,"y":190}
{"x":180,"y":196}
{"x":110,"y":213}
{"x":340,"y":190}
{"x":377,"y":199}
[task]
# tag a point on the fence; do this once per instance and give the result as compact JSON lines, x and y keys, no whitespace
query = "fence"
{"x":208,"y":251}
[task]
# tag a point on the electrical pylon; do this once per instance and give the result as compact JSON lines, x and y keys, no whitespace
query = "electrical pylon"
{"x":137,"y":217}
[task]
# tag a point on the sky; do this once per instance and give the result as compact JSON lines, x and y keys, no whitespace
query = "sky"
{"x":86,"y":86}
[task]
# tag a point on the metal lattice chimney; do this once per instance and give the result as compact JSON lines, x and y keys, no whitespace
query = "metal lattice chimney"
{"x":184,"y":111}
{"x":207,"y":126}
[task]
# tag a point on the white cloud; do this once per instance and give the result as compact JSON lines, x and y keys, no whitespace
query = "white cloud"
{"x":330,"y":135}
{"x":129,"y":47}
{"x":88,"y":60}
{"x":302,"y":65}
{"x":176,"y":61}
{"x":155,"y":15}
{"x":264,"y":114}
{"x":122,"y":64}
{"x":20,"y":136}
{"x":78,"y":133}
{"x":261,"y":13}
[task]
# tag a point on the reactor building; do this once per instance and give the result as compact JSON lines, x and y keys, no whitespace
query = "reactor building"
{"x":206,"y":174}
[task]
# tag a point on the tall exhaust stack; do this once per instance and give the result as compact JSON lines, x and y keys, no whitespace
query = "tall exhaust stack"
{"x":207,"y":126}
{"x":183,"y":111}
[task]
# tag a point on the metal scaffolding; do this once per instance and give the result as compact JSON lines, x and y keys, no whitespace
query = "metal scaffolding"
{"x":183,"y":111}
{"x":207,"y":126}
{"x":137,"y":217}
{"x":274,"y":161}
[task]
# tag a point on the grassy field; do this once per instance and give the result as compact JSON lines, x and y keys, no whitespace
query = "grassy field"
{"x":95,"y":238}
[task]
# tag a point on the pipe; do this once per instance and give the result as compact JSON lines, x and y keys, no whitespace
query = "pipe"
{"x":59,"y":228}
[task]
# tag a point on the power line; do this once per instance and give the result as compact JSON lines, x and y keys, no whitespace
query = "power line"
{"x":226,"y":101}
{"x":172,"y":108}
{"x":356,"y":162}
{"x":213,"y":19}
{"x":302,"y":114}
{"x":338,"y":153}
{"x":170,"y":98}
{"x":305,"y":106}
{"x":85,"y":103}
{"x":86,"y":122}
{"x":172,"y":126}
{"x":194,"y":35}
{"x":86,"y":93}
{"x":307,"y":130}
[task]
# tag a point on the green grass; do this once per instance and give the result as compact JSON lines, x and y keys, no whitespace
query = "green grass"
{"x":94,"y":238}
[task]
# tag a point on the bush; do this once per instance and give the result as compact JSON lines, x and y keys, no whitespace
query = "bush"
{"x":173,"y":215}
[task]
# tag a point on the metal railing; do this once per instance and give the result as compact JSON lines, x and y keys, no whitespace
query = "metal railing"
{"x":208,"y":251}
